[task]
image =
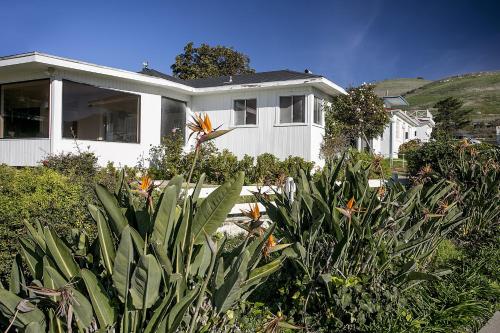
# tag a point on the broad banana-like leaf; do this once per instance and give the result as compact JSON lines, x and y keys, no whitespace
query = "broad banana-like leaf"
{"x":164,"y":218}
{"x":176,"y":314}
{"x":8,"y":307}
{"x":124,"y":261}
{"x":145,"y":286}
{"x":16,"y":278}
{"x":201,"y":262}
{"x":36,"y":235}
{"x":230,"y":291}
{"x":177,"y":182}
{"x":32,"y":259}
{"x":101,"y":302}
{"x":259,"y":273}
{"x":81,"y":306}
{"x":55,"y":323}
{"x":110,"y":204}
{"x":214,"y":209}
{"x":197,"y":189}
{"x":105,"y":239}
{"x":61,"y":254}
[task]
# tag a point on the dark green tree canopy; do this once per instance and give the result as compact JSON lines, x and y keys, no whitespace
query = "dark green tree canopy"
{"x":450,"y":116}
{"x":207,"y":61}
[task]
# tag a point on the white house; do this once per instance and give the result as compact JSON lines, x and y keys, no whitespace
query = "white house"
{"x":404,"y":126}
{"x":49,"y":103}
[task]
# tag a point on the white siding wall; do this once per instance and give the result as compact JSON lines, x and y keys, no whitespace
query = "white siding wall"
{"x":29,"y":152}
{"x":268,"y":136}
{"x":23,"y":152}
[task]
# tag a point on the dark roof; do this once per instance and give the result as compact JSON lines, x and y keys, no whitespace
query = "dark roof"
{"x":252,"y":78}
{"x":155,"y":73}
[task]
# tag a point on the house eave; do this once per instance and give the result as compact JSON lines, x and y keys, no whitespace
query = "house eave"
{"x":57,"y":62}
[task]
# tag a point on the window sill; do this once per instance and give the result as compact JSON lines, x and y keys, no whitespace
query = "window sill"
{"x":103,"y":141}
{"x":290,"y":124}
{"x":244,"y":126}
{"x":318,"y":125}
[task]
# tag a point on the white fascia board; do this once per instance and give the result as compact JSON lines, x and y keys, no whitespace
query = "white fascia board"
{"x":65,"y":63}
{"x":320,"y":83}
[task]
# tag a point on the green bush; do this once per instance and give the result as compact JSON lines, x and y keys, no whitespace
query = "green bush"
{"x":165,"y":159}
{"x":168,"y":159}
{"x":37,"y":194}
{"x":409,"y":146}
{"x":378,"y":166}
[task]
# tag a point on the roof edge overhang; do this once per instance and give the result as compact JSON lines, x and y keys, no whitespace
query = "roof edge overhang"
{"x":56,"y":62}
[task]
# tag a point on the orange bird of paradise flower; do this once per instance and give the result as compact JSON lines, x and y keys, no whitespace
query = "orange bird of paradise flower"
{"x":254,"y":215}
{"x":349,"y":209}
{"x":270,"y":243}
{"x":201,"y":126}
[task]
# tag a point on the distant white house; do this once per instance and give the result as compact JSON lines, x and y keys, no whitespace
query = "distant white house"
{"x":47,"y":101}
{"x":403,"y":127}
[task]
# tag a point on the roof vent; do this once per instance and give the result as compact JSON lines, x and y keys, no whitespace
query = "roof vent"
{"x":307,"y":71}
{"x":230,"y":79}
{"x":145,"y":65}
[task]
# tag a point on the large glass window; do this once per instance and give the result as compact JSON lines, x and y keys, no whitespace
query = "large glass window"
{"x":318,"y":111}
{"x":292,"y":109}
{"x":245,"y":112}
{"x":173,"y":116}
{"x":24,"y":110}
{"x":92,"y":113}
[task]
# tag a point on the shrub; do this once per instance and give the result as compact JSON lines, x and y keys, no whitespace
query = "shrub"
{"x":165,"y":159}
{"x":376,"y":164}
{"x":221,"y":166}
{"x":41,"y":195}
{"x":409,"y":146}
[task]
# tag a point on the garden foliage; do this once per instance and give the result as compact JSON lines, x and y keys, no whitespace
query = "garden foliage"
{"x":155,"y":268}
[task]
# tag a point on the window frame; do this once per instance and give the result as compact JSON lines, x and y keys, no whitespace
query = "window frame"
{"x":139,"y":112}
{"x":306,"y":111}
{"x":186,"y":114}
{"x":2,"y":97}
{"x":233,"y":112}
{"x":321,"y":112}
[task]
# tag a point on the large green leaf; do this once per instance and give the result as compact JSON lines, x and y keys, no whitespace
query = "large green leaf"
{"x":164,"y":218}
{"x":16,"y":278}
{"x":101,"y":302}
{"x":32,"y":259}
{"x":230,"y":290}
{"x":176,"y":314}
{"x":105,"y":239}
{"x":8,"y":306}
{"x":124,"y":262}
{"x":81,"y":305}
{"x":145,"y":286}
{"x":110,"y":204}
{"x":61,"y":254}
{"x":214,"y":209}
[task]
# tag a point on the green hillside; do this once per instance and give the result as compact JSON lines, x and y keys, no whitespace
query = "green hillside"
{"x":396,"y":87}
{"x":479,"y":92}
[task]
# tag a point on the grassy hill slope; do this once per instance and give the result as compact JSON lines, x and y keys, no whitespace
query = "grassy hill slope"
{"x":479,"y":91}
{"x":396,"y":87}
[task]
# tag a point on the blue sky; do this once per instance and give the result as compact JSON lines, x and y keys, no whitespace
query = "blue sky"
{"x":348,"y":41}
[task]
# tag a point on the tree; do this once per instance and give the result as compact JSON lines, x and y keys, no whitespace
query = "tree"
{"x":450,"y":117}
{"x":360,"y":113}
{"x":207,"y":61}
